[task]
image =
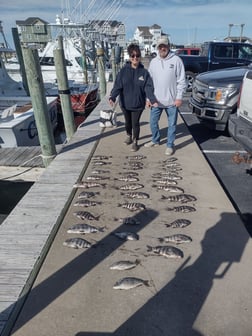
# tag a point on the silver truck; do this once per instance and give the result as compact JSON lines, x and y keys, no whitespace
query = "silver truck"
{"x":240,"y":123}
{"x":215,"y":95}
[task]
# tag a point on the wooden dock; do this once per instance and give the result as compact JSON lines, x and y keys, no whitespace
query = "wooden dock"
{"x":26,"y":237}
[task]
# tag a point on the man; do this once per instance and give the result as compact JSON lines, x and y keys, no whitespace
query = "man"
{"x":168,"y":75}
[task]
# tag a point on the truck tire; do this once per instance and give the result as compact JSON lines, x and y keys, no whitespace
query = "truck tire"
{"x":190,"y":76}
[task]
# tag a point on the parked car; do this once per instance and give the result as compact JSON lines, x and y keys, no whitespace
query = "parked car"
{"x":214,"y":56}
{"x":240,"y":123}
{"x":215,"y":95}
{"x":188,"y":51}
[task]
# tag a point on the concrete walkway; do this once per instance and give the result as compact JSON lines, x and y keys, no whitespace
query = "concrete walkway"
{"x":207,"y":292}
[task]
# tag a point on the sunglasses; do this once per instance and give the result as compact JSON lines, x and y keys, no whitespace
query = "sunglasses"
{"x":135,"y":56}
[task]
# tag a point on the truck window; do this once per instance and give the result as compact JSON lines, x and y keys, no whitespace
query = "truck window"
{"x":223,"y":51}
{"x":245,"y":52}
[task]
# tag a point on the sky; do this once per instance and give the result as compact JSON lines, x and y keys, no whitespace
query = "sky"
{"x":185,"y":21}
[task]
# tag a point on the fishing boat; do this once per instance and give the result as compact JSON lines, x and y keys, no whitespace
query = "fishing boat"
{"x":17,"y":121}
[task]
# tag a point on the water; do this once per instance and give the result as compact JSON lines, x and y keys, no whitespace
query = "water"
{"x":10,"y":194}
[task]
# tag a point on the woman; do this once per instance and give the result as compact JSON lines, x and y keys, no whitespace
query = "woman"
{"x":133,"y":84}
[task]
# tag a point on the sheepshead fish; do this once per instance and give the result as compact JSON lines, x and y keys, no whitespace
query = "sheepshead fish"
{"x":124,"y":265}
{"x":176,"y":238}
{"x":99,"y":171}
{"x":88,"y":184}
{"x":166,"y":251}
{"x":86,"y":203}
{"x":136,"y":157}
{"x":100,"y":163}
{"x":165,"y":181}
{"x":170,"y":188}
{"x":133,"y":206}
{"x":129,"y":221}
{"x":182,"y":208}
{"x":101,"y":157}
{"x":179,"y":223}
{"x":132,"y":173}
{"x":84,"y":228}
{"x":77,"y":243}
{"x":97,"y":177}
{"x":86,"y":215}
{"x":87,"y":194}
{"x":130,"y":282}
{"x":170,"y":159}
{"x":169,"y":176}
{"x":131,"y":186}
{"x":183,"y":198}
{"x":128,"y":178}
{"x":126,"y":235}
{"x":136,"y":194}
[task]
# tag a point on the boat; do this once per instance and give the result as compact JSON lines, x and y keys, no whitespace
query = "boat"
{"x":17,"y":121}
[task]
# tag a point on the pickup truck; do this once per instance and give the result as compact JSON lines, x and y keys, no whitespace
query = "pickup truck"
{"x":240,"y":123}
{"x":215,"y":95}
{"x":216,"y":55}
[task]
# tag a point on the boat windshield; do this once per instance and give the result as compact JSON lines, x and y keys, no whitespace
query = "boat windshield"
{"x":50,"y":61}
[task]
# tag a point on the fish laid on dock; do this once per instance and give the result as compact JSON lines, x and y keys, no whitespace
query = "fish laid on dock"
{"x":183,"y":198}
{"x":131,"y":186}
{"x":136,"y":157}
{"x":86,"y":215}
{"x":171,"y":188}
{"x":130,"y":282}
{"x":129,"y":221}
{"x":83,"y":228}
{"x":166,"y":251}
{"x":179,"y":223}
{"x":77,"y":243}
{"x":133,"y":206}
{"x":124,"y":265}
{"x":127,"y":178}
{"x":176,"y":239}
{"x":127,"y":235}
{"x":85,"y":203}
{"x":88,"y":194}
{"x":182,"y":208}
{"x":136,"y":194}
{"x":88,"y":184}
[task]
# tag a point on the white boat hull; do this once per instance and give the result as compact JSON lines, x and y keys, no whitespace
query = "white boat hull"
{"x":20,"y":128}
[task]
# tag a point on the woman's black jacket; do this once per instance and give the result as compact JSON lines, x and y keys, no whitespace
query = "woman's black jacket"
{"x":133,"y":87}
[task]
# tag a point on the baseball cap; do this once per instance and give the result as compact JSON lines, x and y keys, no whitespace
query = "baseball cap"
{"x":163,"y":40}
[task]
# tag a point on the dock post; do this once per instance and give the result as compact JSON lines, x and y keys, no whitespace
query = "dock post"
{"x":84,"y":60}
{"x":20,"y":59}
{"x":101,"y":70}
{"x":113,"y":63}
{"x":64,"y":91}
{"x":39,"y":104}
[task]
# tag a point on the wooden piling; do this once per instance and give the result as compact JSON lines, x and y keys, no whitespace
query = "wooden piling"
{"x":84,"y":60}
{"x":64,"y":91}
{"x":101,"y":70}
{"x":39,"y":104}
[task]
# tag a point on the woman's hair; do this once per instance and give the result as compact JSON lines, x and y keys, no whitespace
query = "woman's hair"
{"x":134,"y":48}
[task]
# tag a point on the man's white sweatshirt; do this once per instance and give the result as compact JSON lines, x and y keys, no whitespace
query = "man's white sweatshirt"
{"x":168,"y":75}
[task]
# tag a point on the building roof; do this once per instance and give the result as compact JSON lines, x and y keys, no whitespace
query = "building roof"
{"x":155,"y":26}
{"x":30,"y":21}
{"x":144,"y":31}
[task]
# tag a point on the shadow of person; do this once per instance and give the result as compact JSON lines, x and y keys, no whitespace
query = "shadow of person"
{"x":176,"y":307}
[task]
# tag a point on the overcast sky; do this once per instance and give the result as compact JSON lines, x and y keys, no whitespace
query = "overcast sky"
{"x":186,"y":21}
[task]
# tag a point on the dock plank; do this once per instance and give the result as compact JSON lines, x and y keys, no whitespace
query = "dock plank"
{"x":26,"y":234}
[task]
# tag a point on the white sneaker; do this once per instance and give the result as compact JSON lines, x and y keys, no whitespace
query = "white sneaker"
{"x":169,"y":151}
{"x":151,"y":144}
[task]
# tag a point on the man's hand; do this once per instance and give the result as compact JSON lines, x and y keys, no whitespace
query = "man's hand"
{"x":178,"y":102}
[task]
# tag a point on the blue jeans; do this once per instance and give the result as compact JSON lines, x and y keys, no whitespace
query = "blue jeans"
{"x":172,"y":116}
